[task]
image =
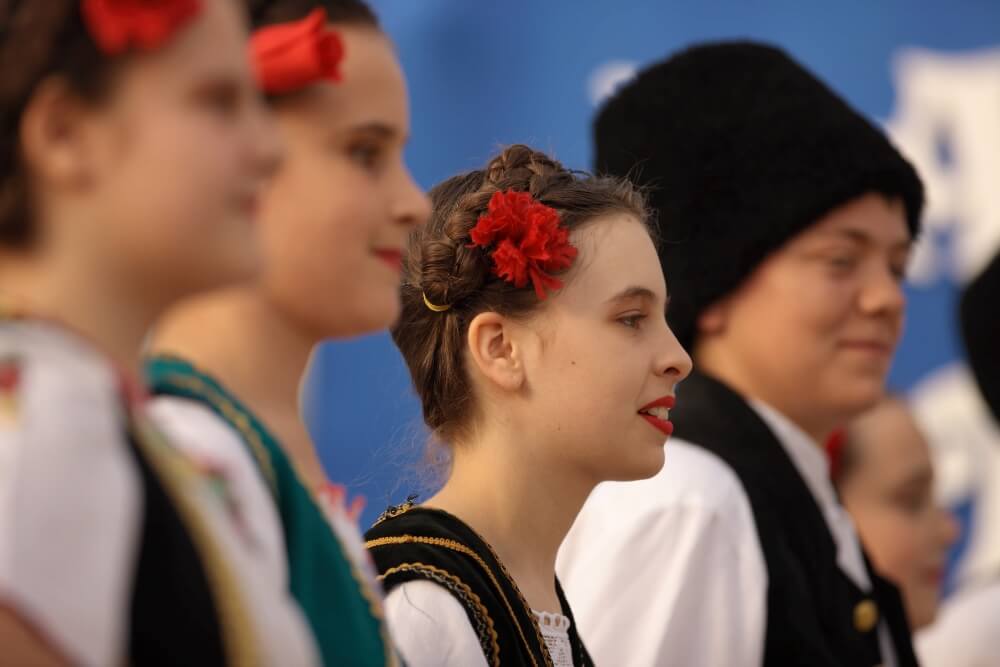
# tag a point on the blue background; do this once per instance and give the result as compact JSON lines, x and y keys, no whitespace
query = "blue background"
{"x":486,"y":74}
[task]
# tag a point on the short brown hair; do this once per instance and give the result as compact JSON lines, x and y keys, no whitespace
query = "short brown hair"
{"x":441,"y":265}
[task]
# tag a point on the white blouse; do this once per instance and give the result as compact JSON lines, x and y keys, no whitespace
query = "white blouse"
{"x":431,"y":629}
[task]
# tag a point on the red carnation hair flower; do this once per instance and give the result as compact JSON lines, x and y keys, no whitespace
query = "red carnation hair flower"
{"x":118,"y":25}
{"x":529,"y":241}
{"x":291,"y":56}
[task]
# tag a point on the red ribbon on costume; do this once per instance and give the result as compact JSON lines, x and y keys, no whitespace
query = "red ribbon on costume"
{"x":529,"y":240}
{"x":290,"y":56}
{"x":118,"y":25}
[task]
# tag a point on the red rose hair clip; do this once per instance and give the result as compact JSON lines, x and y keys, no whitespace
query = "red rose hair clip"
{"x":291,"y":56}
{"x":528,"y":241}
{"x":119,"y":25}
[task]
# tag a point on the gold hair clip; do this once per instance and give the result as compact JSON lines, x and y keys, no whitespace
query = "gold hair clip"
{"x":436,"y":309}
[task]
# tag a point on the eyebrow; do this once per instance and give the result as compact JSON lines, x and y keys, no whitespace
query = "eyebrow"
{"x":863,"y":238}
{"x":634,"y":292}
{"x":382,"y":130}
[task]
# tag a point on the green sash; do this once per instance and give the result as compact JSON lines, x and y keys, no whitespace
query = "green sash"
{"x":343,"y":611}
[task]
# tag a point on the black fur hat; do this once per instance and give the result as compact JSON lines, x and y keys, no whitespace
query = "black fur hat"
{"x":742,"y":148}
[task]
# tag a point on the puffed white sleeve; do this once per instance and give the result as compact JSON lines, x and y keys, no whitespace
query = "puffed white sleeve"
{"x":70,"y":497}
{"x":668,"y":579}
{"x":430,"y":627}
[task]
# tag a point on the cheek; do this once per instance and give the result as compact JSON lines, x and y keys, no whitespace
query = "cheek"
{"x":319,"y":262}
{"x":895,"y":543}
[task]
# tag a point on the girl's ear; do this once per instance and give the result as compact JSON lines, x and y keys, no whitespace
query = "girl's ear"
{"x":713,"y":320}
{"x":495,"y":352}
{"x":54,"y":137}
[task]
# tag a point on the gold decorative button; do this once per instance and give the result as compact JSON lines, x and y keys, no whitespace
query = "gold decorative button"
{"x":865,"y":616}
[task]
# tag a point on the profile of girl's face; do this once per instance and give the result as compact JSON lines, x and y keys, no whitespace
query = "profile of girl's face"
{"x":336,"y":218}
{"x":598,"y":353}
{"x":167,"y":168}
{"x":888,"y":489}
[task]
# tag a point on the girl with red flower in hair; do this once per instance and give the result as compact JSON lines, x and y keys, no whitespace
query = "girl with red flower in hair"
{"x":535,"y":332}
{"x":333,"y":224}
{"x":133,"y":149}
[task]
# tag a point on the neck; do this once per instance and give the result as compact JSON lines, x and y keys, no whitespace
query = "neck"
{"x":246,"y":343}
{"x":521,"y":505}
{"x":723,"y":367}
{"x":100,"y":307}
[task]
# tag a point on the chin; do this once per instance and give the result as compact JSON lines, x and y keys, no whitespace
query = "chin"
{"x":361,"y":317}
{"x":857,"y":395}
{"x":636,"y":467}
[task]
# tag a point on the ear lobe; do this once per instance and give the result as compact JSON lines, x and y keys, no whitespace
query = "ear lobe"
{"x":494,"y":352}
{"x":52,"y":137}
{"x":713,"y":319}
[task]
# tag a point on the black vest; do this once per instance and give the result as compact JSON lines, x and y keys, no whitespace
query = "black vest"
{"x":411,"y":543}
{"x":816,"y":615}
{"x":174,"y":619}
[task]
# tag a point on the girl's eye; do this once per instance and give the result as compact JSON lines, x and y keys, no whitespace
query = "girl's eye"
{"x":221,"y":98}
{"x":632,"y":321}
{"x":898,"y":272}
{"x":366,"y":155}
{"x":843,"y":262}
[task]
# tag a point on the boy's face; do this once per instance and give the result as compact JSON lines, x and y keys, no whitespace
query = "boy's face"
{"x":812,"y":331}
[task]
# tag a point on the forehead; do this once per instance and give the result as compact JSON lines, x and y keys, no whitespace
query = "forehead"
{"x":889,"y":435}
{"x":872,"y":218}
{"x":213,"y":43}
{"x":615,"y":253}
{"x":372,"y":89}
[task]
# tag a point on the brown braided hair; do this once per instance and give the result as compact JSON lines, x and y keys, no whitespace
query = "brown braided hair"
{"x":441,"y":265}
{"x":338,"y":12}
{"x":38,"y":40}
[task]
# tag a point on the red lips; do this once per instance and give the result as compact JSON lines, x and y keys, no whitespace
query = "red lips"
{"x":394,"y":258}
{"x":664,"y":426}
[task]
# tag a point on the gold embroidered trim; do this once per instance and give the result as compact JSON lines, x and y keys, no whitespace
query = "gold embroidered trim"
{"x":457,"y":581}
{"x":237,"y":628}
{"x":461,"y":548}
{"x":241,"y":422}
{"x":235,"y":417}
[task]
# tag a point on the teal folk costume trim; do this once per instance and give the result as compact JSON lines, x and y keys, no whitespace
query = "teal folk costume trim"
{"x":345,"y":613}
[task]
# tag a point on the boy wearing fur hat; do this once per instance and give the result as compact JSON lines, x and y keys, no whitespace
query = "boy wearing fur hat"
{"x":786,"y":220}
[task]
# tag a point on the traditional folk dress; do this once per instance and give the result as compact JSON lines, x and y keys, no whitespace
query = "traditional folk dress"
{"x":114,"y":546}
{"x":738,"y":553}
{"x":319,"y":554}
{"x":451,"y":601}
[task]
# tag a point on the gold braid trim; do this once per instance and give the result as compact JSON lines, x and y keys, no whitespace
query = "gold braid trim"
{"x":237,"y":628}
{"x":461,"y":548}
{"x":431,"y":571}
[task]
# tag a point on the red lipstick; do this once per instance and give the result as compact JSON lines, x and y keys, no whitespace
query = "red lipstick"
{"x":394,"y":258}
{"x":665,"y":426}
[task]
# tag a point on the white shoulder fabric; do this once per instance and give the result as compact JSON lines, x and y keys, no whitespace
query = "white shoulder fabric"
{"x":430,"y":627}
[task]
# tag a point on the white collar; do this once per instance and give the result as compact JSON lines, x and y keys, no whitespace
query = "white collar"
{"x":812,"y":464}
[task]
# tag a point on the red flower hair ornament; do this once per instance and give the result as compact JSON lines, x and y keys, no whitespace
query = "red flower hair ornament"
{"x":527,"y":240}
{"x":291,"y":56}
{"x":119,"y":25}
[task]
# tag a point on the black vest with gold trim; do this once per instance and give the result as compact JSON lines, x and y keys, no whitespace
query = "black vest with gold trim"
{"x":410,"y":543}
{"x":816,"y":615}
